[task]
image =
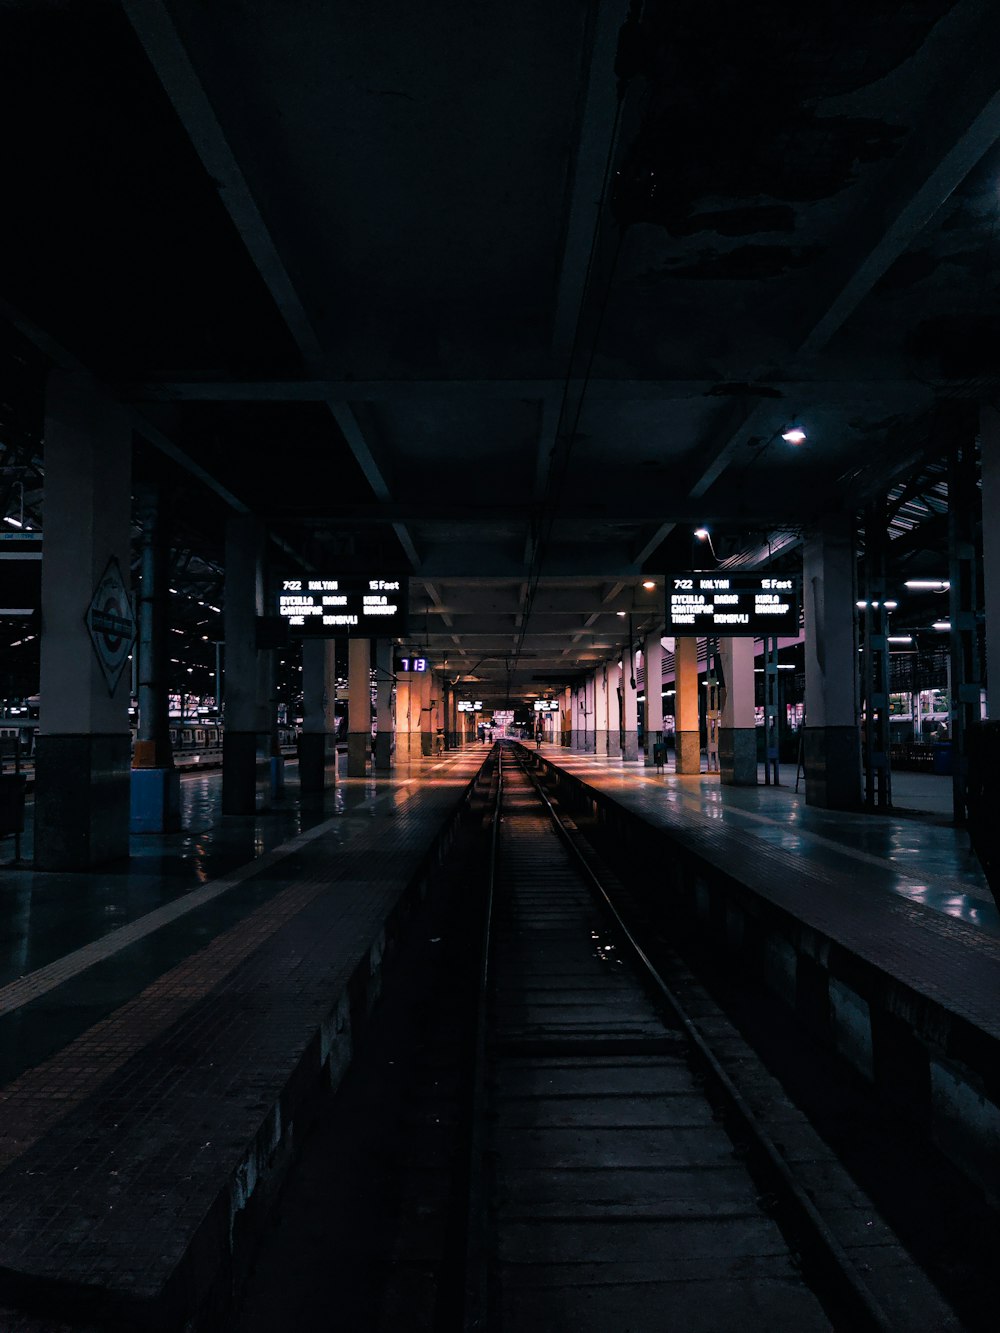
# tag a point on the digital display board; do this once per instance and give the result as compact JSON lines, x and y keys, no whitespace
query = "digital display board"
{"x":348,"y":605}
{"x":470,"y":705}
{"x":737,"y":605}
{"x":407,"y":664}
{"x":546,"y":705}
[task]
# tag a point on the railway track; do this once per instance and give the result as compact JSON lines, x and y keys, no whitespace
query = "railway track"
{"x":622,"y":1178}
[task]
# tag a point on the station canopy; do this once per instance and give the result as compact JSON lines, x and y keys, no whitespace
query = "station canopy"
{"x":505,"y":300}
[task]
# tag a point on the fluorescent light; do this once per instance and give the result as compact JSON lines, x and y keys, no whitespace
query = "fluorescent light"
{"x":899,"y":638}
{"x":794,"y":435}
{"x":928,"y":585}
{"x":701,"y":534}
{"x":890,"y":606}
{"x":941,"y":624}
{"x":648,"y":584}
{"x":14,"y":522}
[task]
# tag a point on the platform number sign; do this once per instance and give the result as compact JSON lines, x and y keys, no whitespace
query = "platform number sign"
{"x":110,"y":621}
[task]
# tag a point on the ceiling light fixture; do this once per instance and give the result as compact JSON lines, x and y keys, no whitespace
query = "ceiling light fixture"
{"x":928,"y":585}
{"x":704,"y":535}
{"x":794,"y":435}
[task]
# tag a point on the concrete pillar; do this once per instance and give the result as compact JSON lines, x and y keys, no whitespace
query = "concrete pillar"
{"x":590,"y":705}
{"x":383,"y":705}
{"x":738,"y":731}
{"x":359,"y":706}
{"x":614,"y":710}
{"x":601,"y":710}
{"x":84,"y":746}
{"x":440,"y":710}
{"x":319,"y":718}
{"x":426,"y":714}
{"x":687,"y":736}
{"x":407,"y":713}
{"x":652,"y":653}
{"x":246,"y":739}
{"x":630,"y":706}
{"x":831,"y":741}
{"x":156,"y":783}
{"x":267,"y":676}
{"x":989,"y":426}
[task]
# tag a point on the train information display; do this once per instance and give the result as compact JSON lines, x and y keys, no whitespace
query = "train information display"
{"x":348,"y":606}
{"x":737,"y":605}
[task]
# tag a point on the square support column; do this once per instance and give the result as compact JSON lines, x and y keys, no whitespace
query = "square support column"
{"x":652,"y":654}
{"x":832,"y":743}
{"x":630,"y":707}
{"x":246,"y":744}
{"x":82,"y":781}
{"x":614,"y":711}
{"x":359,"y":707}
{"x":687,"y":732}
{"x":383,"y":707}
{"x":426,"y":714}
{"x":737,"y":731}
{"x":601,"y":710}
{"x":319,"y":718}
{"x":989,"y":434}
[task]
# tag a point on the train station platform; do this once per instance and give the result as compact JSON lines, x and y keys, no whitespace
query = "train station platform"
{"x":879,"y":931}
{"x":166,"y":1022}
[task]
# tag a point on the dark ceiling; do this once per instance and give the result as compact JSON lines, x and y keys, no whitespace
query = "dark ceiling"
{"x":512,"y":297}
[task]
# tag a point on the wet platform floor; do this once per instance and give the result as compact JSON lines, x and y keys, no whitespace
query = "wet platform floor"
{"x":914,"y":851}
{"x":153,"y":1013}
{"x":902,"y":894}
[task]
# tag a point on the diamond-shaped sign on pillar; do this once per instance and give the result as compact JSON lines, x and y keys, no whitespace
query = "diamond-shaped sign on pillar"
{"x":111,"y":622}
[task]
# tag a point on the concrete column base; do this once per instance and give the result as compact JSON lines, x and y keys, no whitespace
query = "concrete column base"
{"x":358,"y":750}
{"x":687,"y":747}
{"x":383,"y":751}
{"x":312,"y":761}
{"x":652,"y":738}
{"x":600,"y":742}
{"x":614,"y":745}
{"x":155,"y":800}
{"x":426,"y":744}
{"x":832,"y":760}
{"x":738,"y":756}
{"x":81,"y":800}
{"x":246,"y":772}
{"x":590,"y":742}
{"x":631,"y":748}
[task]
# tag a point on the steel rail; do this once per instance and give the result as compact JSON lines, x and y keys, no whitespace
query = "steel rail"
{"x":476,"y":1303}
{"x":811,"y":1231}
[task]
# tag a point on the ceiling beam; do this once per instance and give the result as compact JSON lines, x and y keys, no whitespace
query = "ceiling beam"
{"x":959,"y":127}
{"x":155,"y":29}
{"x":319,"y":389}
{"x":141,"y":424}
{"x":153,"y":25}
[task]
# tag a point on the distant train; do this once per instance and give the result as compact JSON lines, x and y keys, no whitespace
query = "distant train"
{"x":199,"y":735}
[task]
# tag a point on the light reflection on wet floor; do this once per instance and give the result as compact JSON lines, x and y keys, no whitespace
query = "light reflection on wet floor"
{"x":44,"y":915}
{"x":928,"y":861}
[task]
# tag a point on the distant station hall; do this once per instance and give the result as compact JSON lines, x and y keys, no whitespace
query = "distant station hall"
{"x":499,"y":585}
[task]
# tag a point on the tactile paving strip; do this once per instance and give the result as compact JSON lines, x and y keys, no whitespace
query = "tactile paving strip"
{"x":118,"y":1149}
